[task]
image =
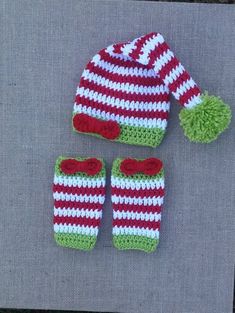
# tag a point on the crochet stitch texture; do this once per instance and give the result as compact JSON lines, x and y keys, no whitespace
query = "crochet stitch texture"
{"x":114,"y":87}
{"x":137,"y":201}
{"x":78,"y":200}
{"x":123,"y":95}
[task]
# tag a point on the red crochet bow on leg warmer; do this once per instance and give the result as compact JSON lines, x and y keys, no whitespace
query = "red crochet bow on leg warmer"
{"x":150,"y":166}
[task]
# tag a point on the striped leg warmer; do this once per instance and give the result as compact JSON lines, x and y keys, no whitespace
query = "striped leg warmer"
{"x":137,"y":198}
{"x":79,"y":194}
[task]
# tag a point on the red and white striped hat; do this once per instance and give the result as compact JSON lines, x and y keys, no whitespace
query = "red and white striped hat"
{"x":124,"y":91}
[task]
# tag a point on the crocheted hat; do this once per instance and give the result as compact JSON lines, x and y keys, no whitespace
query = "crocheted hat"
{"x":123,"y":95}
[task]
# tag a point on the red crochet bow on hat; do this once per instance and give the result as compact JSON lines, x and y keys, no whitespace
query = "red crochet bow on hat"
{"x":87,"y":124}
{"x":150,"y":166}
{"x":90,"y":166}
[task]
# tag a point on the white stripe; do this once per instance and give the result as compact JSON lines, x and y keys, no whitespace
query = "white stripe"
{"x":122,"y":57}
{"x":79,"y":181}
{"x":121,"y":103}
{"x":148,"y":47}
{"x":127,"y":183}
{"x":130,"y":215}
{"x":188,"y":84}
{"x":128,"y":48}
{"x":78,"y":198}
{"x":163,"y":60}
{"x":75,"y":229}
{"x":136,"y":231}
{"x":122,"y":70}
{"x":129,"y":121}
{"x":96,"y":214}
{"x":174,"y":74}
{"x":124,"y":87}
{"x":195,"y":100}
{"x":137,"y":200}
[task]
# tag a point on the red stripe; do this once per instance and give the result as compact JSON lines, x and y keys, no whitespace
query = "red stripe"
{"x":157,"y":52}
{"x":79,"y":190}
{"x":131,"y":79}
{"x":82,"y":221}
{"x":173,"y":63}
{"x":168,"y":67}
{"x":119,"y":111}
{"x":77,"y":205}
{"x":138,"y":193}
{"x":136,"y":223}
{"x":188,"y":95}
{"x":123,"y":95}
{"x":117,"y":48}
{"x":178,"y":82}
{"x":137,"y":208}
{"x":139,"y":45}
{"x":105,"y":56}
{"x":154,"y":93}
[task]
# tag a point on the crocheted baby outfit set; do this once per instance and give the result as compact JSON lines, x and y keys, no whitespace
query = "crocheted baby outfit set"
{"x":124,"y":96}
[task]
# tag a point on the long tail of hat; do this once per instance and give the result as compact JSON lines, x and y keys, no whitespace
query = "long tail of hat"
{"x":204,"y":117}
{"x":152,"y":50}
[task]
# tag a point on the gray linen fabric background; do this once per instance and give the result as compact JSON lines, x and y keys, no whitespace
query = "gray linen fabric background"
{"x":44,"y":48}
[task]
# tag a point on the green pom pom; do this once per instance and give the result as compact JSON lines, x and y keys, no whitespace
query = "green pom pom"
{"x":204,"y":122}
